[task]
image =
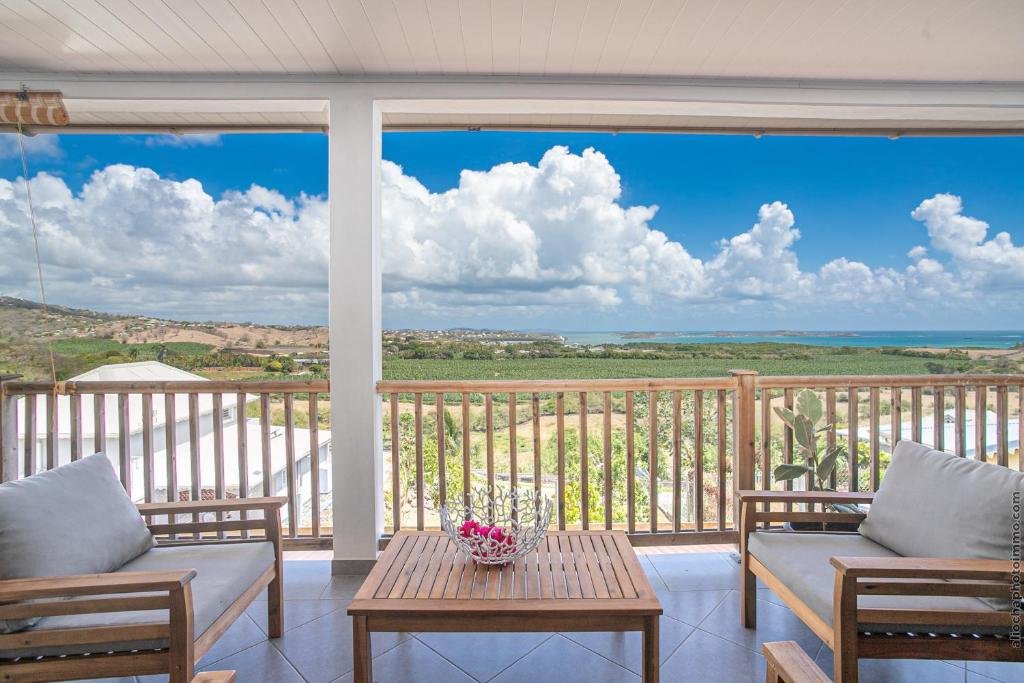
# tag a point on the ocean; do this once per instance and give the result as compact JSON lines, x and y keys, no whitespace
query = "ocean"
{"x":932,"y":339}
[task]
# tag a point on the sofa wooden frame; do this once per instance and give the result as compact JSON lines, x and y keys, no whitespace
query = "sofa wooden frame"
{"x":856,"y":576}
{"x":160,"y":590}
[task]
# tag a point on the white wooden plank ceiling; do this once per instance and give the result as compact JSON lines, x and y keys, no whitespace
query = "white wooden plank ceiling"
{"x":922,"y":40}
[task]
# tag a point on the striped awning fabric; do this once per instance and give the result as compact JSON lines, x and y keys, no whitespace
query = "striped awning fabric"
{"x":33,"y":108}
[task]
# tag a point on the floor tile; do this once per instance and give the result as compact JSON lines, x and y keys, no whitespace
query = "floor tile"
{"x":697,"y":571}
{"x":342,"y":586}
{"x":303,"y":580}
{"x":242,"y":634}
{"x":773,"y":623}
{"x":691,"y":607}
{"x":412,"y":661}
{"x":1010,"y":672}
{"x":296,"y":612}
{"x":770,"y":596}
{"x":482,"y":655}
{"x":704,"y":657}
{"x":899,"y":670}
{"x":626,"y":648}
{"x":559,"y":659}
{"x":261,"y":663}
{"x":322,"y":649}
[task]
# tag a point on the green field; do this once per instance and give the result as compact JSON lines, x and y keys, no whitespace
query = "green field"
{"x":91,"y":345}
{"x":829,"y":362}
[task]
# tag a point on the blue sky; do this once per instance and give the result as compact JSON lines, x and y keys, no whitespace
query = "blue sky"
{"x":849,"y":198}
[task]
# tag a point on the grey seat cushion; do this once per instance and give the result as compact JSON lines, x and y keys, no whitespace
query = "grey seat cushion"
{"x":75,"y":519}
{"x":935,"y":504}
{"x":801,"y":562}
{"x":223,"y":573}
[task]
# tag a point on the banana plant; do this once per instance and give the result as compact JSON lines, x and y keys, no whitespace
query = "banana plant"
{"x":819,"y":463}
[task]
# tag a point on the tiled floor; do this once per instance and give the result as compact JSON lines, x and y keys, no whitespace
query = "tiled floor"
{"x":701,"y":639}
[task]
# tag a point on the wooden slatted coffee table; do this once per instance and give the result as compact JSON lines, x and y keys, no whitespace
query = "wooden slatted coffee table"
{"x":575,"y":581}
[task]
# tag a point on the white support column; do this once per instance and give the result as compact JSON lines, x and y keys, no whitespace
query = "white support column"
{"x":355,"y":328}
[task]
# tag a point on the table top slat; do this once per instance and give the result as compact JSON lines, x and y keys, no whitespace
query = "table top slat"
{"x":582,"y":567}
{"x":572,"y":574}
{"x":594,"y":568}
{"x":403,"y":549}
{"x":619,"y":568}
{"x":407,"y":569}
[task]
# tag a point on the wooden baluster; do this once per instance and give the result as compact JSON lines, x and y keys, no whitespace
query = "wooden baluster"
{"x":148,"y":473}
{"x":607,"y":460}
{"x":788,"y":400}
{"x":744,"y":424}
{"x":1002,"y":426}
{"x":874,"y":445}
{"x":51,"y":432}
{"x":466,"y":472}
{"x":560,"y":436}
{"x":442,"y":482}
{"x":9,"y":437}
{"x":536,"y":443}
{"x":677,"y":457}
{"x":30,"y":435}
{"x":652,"y":459}
{"x":698,"y":460}
{"x":722,"y":444}
{"x":960,"y":421}
{"x":242,"y":431}
{"x":396,"y":475}
{"x":195,"y":464}
{"x":830,"y":420}
{"x":915,"y":414}
{"x":896,"y":416}
{"x":853,"y":438}
{"x":75,"y":422}
{"x":513,"y":456}
{"x":489,"y":441}
{"x":124,"y":442}
{"x":584,"y":464}
{"x":939,"y":418}
{"x":981,"y":423}
{"x":268,"y":464}
{"x":314,"y":464}
{"x":291,"y":476}
{"x":217,"y":420}
{"x":171,"y":449}
{"x":1020,"y":428}
{"x":99,"y":423}
{"x":766,"y":445}
{"x":418,"y":418}
{"x":630,"y":465}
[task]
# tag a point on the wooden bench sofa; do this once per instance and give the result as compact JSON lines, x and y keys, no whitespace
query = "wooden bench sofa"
{"x":87,"y":590}
{"x":928,"y":575}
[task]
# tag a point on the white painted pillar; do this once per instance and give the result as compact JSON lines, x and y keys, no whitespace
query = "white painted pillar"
{"x":355,"y":328}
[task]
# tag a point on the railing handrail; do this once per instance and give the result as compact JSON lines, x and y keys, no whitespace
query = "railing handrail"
{"x":553,"y":385}
{"x":176,"y":387}
{"x":884,"y":381}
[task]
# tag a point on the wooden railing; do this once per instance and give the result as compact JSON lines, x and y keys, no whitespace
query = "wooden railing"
{"x":667,"y":475}
{"x":174,"y":441}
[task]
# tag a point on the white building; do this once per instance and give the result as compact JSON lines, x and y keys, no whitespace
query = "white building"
{"x":949,"y":433}
{"x":152,"y":371}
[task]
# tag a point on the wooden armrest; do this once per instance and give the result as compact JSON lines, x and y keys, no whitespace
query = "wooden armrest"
{"x":94,"y":584}
{"x":805,"y":497}
{"x":923,"y":568}
{"x":791,"y":664}
{"x":222,"y":505}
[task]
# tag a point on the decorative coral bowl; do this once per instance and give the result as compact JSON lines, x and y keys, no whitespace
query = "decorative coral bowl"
{"x":498,"y":526}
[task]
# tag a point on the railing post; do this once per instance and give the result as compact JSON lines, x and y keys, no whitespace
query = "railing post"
{"x":743,"y":422}
{"x":8,"y":430}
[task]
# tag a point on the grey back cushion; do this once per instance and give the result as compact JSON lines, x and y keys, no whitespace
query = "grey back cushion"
{"x":935,"y":504}
{"x":76,"y":519}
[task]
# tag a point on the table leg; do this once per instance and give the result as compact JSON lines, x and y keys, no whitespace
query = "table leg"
{"x":651,"y":656}
{"x":361,"y":657}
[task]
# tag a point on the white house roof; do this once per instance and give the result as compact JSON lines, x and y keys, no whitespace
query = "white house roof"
{"x":949,"y":432}
{"x":145,"y":371}
{"x":919,"y":40}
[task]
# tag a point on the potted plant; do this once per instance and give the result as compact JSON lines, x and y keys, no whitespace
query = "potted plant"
{"x":819,"y":463}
